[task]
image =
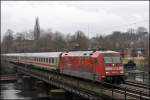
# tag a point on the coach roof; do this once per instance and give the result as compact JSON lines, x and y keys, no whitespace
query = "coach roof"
{"x":40,"y":54}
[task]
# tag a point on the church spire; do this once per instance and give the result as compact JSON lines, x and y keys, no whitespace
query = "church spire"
{"x":36,"y":29}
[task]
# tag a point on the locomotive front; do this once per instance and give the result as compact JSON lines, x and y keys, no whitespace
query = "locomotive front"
{"x":113,"y":67}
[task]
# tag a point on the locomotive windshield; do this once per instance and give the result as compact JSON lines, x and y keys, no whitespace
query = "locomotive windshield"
{"x":112,"y":58}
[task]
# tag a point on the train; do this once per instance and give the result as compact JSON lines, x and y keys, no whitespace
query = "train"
{"x":96,"y":66}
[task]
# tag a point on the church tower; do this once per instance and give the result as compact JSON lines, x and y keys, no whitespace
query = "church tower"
{"x":36,"y":29}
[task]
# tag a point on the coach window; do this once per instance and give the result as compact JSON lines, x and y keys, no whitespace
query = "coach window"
{"x":52,"y":60}
{"x":45,"y":59}
{"x":42,"y":59}
{"x":49,"y":60}
{"x":56,"y":60}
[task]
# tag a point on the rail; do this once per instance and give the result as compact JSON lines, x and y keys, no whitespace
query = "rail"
{"x":138,"y":84}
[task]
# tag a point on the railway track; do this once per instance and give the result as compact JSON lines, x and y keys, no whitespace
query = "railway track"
{"x":137,"y":84}
{"x":138,"y":89}
{"x":135,"y":90}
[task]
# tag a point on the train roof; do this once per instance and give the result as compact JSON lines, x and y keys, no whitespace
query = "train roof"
{"x":77,"y":53}
{"x":57,"y":54}
{"x":108,"y":51}
{"x":46,"y":54}
{"x":40,"y":54}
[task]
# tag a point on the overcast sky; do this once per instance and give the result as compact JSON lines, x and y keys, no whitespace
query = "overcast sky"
{"x":67,"y":17}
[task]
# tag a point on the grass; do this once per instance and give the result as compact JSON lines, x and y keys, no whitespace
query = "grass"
{"x":136,"y":60}
{"x":141,"y":64}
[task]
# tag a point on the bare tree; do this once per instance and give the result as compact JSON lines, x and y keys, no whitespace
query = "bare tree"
{"x":7,"y":41}
{"x":79,"y":41}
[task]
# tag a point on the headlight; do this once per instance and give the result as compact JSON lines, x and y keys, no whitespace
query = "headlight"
{"x":121,"y":72}
{"x":107,"y":72}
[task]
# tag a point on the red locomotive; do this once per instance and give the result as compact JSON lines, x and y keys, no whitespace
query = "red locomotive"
{"x":97,"y":66}
{"x":91,"y":65}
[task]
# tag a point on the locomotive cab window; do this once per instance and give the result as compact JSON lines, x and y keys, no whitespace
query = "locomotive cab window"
{"x":116,"y":59}
{"x":108,"y":60}
{"x":112,"y":59}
